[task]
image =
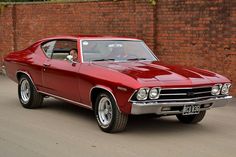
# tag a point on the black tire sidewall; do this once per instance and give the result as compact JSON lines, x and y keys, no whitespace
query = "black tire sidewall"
{"x":109,"y":127}
{"x":28,"y":104}
{"x":191,"y":119}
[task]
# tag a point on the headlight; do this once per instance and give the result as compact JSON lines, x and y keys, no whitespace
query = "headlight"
{"x":225,"y":88}
{"x":216,"y":89}
{"x":154,"y":93}
{"x":142,"y":94}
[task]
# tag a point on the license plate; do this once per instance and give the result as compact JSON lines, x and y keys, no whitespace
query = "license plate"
{"x":191,"y":109}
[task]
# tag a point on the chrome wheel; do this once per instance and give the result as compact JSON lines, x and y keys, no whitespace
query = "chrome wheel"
{"x":105,"y":111}
{"x":25,"y":91}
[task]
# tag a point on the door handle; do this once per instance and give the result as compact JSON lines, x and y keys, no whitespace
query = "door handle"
{"x":46,"y":64}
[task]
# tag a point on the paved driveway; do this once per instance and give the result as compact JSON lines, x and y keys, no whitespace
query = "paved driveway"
{"x":60,"y":129}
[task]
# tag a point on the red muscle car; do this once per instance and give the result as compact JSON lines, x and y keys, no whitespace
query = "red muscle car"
{"x":115,"y":77}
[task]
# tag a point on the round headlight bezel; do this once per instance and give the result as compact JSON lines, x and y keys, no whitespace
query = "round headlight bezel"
{"x":225,"y":89}
{"x":216,"y":89}
{"x":154,"y":90}
{"x":142,"y":94}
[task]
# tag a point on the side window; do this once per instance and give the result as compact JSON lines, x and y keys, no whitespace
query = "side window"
{"x":62,"y":49}
{"x":48,"y":48}
{"x":59,"y":49}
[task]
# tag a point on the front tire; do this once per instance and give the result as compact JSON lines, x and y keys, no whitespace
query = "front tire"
{"x":191,"y":119}
{"x":28,"y":96}
{"x":108,"y":116}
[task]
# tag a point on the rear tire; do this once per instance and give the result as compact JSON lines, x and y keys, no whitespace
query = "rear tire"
{"x":108,"y":116}
{"x":28,"y":96}
{"x":191,"y":119}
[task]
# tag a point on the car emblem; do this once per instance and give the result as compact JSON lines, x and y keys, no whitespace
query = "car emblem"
{"x":190,"y":94}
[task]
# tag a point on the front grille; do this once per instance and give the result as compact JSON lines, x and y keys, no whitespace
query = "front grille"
{"x":185,"y":93}
{"x":180,"y":95}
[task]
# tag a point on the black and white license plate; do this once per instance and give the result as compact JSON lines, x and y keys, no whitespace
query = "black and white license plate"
{"x":191,"y":109}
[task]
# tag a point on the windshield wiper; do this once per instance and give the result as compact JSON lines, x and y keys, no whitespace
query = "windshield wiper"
{"x":136,"y":59}
{"x":109,"y":59}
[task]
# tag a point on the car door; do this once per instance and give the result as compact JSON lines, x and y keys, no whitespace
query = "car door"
{"x":60,"y":76}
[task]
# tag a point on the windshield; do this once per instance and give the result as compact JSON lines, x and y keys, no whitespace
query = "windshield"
{"x":115,"y":50}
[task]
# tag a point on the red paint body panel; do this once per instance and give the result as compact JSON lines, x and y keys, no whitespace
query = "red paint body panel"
{"x":75,"y":81}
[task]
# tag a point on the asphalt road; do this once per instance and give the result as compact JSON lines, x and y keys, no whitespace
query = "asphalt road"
{"x":60,"y":129}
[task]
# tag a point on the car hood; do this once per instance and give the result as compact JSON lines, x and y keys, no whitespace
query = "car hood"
{"x":160,"y":74}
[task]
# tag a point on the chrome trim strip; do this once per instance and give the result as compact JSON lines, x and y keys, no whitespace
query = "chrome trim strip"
{"x":186,"y":93}
{"x":169,"y":100}
{"x":26,"y":73}
{"x":122,"y":88}
{"x":187,"y":88}
{"x":71,"y":101}
{"x":175,"y":94}
{"x":202,"y":92}
{"x":132,"y":95}
{"x":150,"y":51}
{"x":81,"y":53}
{"x":106,"y":89}
{"x":54,"y":39}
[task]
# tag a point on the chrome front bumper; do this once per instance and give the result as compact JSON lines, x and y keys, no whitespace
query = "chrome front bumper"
{"x":161,"y":108}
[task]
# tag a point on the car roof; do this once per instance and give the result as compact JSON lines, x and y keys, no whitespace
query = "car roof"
{"x":88,"y":37}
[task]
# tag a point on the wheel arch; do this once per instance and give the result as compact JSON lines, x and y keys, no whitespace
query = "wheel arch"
{"x":97,"y":90}
{"x":19,"y":74}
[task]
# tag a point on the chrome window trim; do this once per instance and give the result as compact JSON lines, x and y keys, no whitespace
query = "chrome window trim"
{"x":117,"y":39}
{"x":41,"y":45}
{"x":145,"y":45}
{"x":106,"y":89}
{"x":68,"y":100}
{"x":47,"y":41}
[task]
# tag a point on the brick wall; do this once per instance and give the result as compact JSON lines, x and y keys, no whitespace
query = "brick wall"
{"x":200,"y":33}
{"x":196,"y":33}
{"x":6,"y":32}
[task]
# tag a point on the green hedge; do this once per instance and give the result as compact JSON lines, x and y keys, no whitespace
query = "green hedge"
{"x":21,"y":0}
